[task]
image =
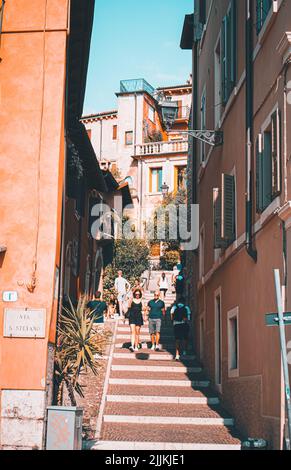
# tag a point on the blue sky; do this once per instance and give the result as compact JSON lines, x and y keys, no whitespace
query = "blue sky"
{"x":135,"y":39}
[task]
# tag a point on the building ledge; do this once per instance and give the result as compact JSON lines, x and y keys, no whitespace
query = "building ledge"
{"x":284,"y":47}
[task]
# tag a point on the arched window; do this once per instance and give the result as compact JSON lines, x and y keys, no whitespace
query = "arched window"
{"x":97,"y":272}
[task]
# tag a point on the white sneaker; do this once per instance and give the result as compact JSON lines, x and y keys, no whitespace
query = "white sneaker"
{"x":157,"y":348}
{"x":177,"y":358}
{"x":131,"y":348}
{"x":153,"y":347}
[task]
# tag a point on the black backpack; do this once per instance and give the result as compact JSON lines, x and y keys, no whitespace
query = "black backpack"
{"x":180,"y":313}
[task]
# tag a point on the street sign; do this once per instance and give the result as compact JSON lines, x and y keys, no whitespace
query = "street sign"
{"x":272,"y":319}
{"x":10,"y":296}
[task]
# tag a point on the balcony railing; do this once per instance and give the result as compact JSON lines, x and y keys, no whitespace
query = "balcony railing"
{"x":158,"y":148}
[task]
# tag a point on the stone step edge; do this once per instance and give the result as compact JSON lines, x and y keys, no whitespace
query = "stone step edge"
{"x":172,"y":420}
{"x":161,"y":399}
{"x":152,"y":357}
{"x":128,"y":445}
{"x":160,"y":383}
{"x":162,"y":369}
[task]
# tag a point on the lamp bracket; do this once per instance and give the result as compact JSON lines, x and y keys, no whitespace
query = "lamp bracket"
{"x":213,"y":138}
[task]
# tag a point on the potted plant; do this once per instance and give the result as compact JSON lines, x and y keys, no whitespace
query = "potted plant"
{"x":78,"y":342}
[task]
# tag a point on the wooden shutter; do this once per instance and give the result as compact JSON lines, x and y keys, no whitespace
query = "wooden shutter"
{"x":259,"y":174}
{"x":276,"y":153}
{"x":228,"y":208}
{"x":267,"y":169}
{"x":233,"y":43}
{"x":218,"y":241}
{"x":114,"y":132}
{"x":224,"y":60}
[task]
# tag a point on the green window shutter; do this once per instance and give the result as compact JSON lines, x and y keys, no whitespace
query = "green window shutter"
{"x":259,"y":174}
{"x":267,"y":170}
{"x":276,"y":153}
{"x":160,"y":179}
{"x":224,"y":60}
{"x":259,"y":15}
{"x":218,"y":241}
{"x":233,"y":43}
{"x":228,"y":208}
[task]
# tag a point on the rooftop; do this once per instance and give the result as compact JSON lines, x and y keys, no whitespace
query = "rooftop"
{"x":136,"y":85}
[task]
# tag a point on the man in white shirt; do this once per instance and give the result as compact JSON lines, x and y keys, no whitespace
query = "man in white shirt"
{"x":122,"y":287}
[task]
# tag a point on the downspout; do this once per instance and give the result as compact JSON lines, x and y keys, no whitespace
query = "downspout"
{"x":286,"y":91}
{"x":194,"y":121}
{"x":252,"y":252}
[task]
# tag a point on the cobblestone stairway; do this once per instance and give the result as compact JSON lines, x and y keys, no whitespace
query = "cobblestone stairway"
{"x":153,"y":402}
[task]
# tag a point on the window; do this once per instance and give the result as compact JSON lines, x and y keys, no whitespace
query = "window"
{"x":203,"y":125}
{"x":114,"y":132}
{"x":263,"y":8}
{"x":201,"y":252}
{"x":151,"y":113}
{"x":233,"y":343}
{"x":156,"y":180}
{"x":229,"y":52}
{"x":180,"y":182}
{"x":180,"y":109}
{"x":268,"y":163}
{"x":224,"y":212}
{"x":129,"y":138}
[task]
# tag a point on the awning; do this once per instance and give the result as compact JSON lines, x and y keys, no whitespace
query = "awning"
{"x":187,"y":37}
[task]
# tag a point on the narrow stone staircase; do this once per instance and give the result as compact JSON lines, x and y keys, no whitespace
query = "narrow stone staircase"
{"x":155,"y":403}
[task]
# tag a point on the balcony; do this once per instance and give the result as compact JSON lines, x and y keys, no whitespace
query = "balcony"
{"x":183,"y":113}
{"x":162,"y":148}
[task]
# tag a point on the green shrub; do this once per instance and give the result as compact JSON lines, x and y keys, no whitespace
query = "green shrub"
{"x":169,"y":260}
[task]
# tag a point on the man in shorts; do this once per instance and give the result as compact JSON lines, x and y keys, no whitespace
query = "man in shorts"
{"x":157,"y":310}
{"x":180,"y":315}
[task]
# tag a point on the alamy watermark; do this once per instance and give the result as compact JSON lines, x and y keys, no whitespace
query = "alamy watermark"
{"x":168,"y":223}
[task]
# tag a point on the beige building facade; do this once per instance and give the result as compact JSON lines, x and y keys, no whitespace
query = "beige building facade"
{"x":241,"y":71}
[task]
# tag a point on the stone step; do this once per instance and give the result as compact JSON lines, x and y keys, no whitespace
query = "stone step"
{"x":151,"y":356}
{"x":172,"y":420}
{"x":161,"y":369}
{"x":145,"y":337}
{"x":168,"y":347}
{"x":159,"y":383}
{"x":144,"y":374}
{"x":161,"y":399}
{"x":162,"y":434}
{"x":172,"y":391}
{"x":132,"y":445}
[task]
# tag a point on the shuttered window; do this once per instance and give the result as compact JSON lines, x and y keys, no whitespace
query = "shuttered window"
{"x":268,"y":163}
{"x":229,"y":52}
{"x":263,"y":7}
{"x":224,"y":202}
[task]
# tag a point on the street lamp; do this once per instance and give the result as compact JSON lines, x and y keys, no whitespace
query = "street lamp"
{"x":165,"y":190}
{"x":169,"y":111}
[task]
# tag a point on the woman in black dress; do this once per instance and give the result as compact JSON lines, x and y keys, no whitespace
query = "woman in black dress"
{"x":135,"y":319}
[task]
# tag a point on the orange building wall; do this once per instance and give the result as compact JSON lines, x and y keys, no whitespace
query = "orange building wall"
{"x":32,"y":153}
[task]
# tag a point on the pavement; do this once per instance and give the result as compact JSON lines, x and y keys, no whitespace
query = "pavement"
{"x":152,"y":402}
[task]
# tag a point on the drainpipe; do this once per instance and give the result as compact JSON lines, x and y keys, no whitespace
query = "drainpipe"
{"x":286,"y":91}
{"x":194,"y":121}
{"x":252,"y":252}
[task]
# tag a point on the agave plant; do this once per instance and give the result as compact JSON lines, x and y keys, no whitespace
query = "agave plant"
{"x":77,"y":346}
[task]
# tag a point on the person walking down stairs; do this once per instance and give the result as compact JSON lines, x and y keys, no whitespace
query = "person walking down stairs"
{"x":163,"y":285}
{"x":156,"y":312}
{"x":135,"y":319}
{"x":180,"y":315}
